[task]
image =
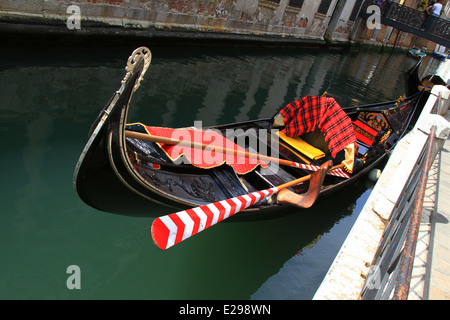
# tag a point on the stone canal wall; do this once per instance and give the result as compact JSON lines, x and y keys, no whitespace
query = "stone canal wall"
{"x":260,"y":20}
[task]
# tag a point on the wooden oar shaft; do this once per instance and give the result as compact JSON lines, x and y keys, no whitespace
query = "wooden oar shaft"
{"x":199,"y":145}
{"x":242,"y":153}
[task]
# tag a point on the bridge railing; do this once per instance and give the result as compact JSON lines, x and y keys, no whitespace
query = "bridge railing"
{"x":411,"y":20}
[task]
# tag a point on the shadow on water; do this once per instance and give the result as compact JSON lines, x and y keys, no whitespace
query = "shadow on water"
{"x":320,"y":234}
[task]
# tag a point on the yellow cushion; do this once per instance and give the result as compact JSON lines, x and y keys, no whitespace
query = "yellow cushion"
{"x":302,"y":146}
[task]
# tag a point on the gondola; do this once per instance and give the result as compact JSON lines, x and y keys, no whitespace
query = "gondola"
{"x":121,"y":171}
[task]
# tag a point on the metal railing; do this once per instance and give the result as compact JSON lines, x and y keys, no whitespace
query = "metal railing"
{"x":391,"y":267}
{"x":408,"y":253}
{"x":411,"y":20}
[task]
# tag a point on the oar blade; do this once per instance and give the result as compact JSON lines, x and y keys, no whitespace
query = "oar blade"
{"x":163,"y":233}
{"x":171,"y":229}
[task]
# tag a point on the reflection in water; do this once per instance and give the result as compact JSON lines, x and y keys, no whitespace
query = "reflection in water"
{"x":28,"y":202}
{"x":49,"y":100}
{"x":215,"y":89}
{"x":226,"y":89}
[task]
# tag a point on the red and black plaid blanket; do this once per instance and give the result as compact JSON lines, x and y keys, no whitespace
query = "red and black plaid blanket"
{"x":311,"y":112}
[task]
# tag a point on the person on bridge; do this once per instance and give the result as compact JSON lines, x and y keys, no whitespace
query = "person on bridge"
{"x":434,"y":11}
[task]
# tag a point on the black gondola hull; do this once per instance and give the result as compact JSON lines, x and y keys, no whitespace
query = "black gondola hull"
{"x":109,"y":179}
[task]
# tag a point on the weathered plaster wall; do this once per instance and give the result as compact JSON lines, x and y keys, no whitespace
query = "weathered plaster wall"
{"x":237,"y":17}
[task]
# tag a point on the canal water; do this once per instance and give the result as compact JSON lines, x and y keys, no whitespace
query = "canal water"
{"x":49,"y":98}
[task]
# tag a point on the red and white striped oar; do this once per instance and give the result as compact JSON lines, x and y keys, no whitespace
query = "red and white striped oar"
{"x":338,"y":172}
{"x":173,"y":228}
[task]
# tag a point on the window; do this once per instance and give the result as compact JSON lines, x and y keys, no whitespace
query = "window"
{"x":296,"y":3}
{"x":274,"y":1}
{"x":324,"y":6}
